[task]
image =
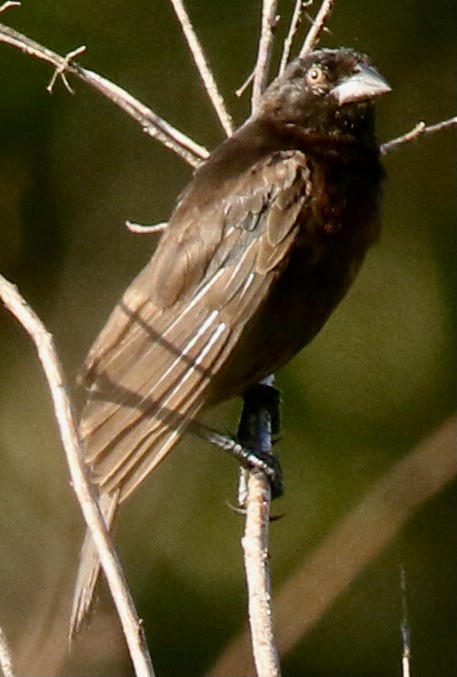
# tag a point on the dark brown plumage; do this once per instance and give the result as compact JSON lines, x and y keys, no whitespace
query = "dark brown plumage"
{"x":263,"y":244}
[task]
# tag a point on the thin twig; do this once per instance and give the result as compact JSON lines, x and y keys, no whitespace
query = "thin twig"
{"x":203,"y":68}
{"x":140,"y":229}
{"x":317,"y":27}
{"x":7,"y":5}
{"x":421,"y":129}
{"x":151,"y":123}
{"x":6,"y":663}
{"x":82,"y":486}
{"x":405,"y":627}
{"x":242,"y":88}
{"x":293,"y":26}
{"x":262,"y":66}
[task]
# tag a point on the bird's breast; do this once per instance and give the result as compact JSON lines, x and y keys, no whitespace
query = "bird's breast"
{"x":335,"y":228}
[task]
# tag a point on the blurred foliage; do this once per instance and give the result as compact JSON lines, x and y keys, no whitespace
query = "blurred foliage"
{"x":378,"y":379}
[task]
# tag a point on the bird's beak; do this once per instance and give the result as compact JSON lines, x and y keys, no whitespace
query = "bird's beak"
{"x":365,"y":83}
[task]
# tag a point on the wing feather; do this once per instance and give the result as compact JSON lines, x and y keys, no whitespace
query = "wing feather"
{"x":150,"y":370}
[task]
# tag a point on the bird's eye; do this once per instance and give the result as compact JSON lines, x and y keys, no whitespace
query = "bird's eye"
{"x":315,"y":75}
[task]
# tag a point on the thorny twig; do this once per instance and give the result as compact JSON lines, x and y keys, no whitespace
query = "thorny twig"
{"x":82,"y":485}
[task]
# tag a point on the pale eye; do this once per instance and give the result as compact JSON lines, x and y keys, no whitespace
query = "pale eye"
{"x":315,"y":75}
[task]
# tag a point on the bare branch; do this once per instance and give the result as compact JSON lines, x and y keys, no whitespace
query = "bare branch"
{"x":264,"y":52}
{"x":6,"y":663}
{"x":203,"y":68}
{"x":255,"y":547}
{"x":9,"y":3}
{"x":294,"y":23}
{"x":405,"y":627}
{"x":317,"y":27}
{"x":255,"y":432}
{"x":141,"y":229}
{"x":151,"y":123}
{"x":82,"y":486}
{"x":354,"y":542}
{"x":421,"y":129}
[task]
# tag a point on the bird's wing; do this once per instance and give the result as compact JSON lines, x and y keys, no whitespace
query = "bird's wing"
{"x":151,"y":366}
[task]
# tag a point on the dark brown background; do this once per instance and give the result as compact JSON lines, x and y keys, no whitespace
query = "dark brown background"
{"x":378,"y":379}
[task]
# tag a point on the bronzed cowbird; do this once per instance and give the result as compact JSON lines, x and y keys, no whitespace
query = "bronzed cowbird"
{"x":263,"y":243}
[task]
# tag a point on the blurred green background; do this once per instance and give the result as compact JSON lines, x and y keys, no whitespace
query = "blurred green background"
{"x":379,"y":378}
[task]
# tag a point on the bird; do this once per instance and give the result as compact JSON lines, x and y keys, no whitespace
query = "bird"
{"x":263,"y":244}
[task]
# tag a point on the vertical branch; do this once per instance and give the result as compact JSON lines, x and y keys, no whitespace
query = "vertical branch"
{"x":257,"y":575}
{"x":359,"y":537}
{"x":79,"y":475}
{"x":255,"y":432}
{"x":264,"y":52}
{"x":202,"y":66}
{"x":405,"y":628}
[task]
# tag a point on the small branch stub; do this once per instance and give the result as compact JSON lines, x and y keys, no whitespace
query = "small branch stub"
{"x":141,"y":229}
{"x":60,"y":70}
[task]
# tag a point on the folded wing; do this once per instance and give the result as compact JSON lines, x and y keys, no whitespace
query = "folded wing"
{"x":150,"y":370}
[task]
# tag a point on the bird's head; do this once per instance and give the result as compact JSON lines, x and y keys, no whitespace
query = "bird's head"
{"x":327,"y":91}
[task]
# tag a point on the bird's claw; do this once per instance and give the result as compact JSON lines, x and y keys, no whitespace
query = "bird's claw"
{"x":267,"y":463}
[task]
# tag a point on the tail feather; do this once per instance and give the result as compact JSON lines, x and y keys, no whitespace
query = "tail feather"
{"x":89,"y":567}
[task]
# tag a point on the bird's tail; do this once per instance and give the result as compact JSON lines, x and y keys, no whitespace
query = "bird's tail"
{"x":89,"y":567}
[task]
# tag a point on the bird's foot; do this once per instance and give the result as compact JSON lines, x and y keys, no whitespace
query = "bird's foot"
{"x":249,"y":458}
